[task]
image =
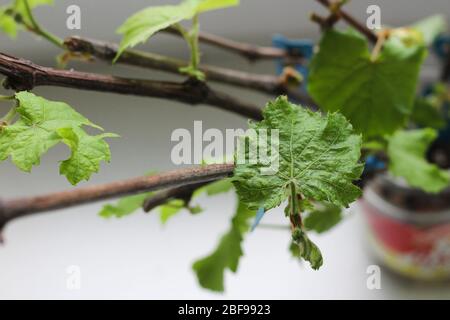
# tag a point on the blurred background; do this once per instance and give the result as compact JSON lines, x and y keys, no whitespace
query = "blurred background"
{"x":135,"y":257}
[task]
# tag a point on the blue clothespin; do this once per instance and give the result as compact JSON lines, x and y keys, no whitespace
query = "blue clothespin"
{"x":258,"y":218}
{"x":373,"y":164}
{"x":441,"y":46}
{"x":304,"y":48}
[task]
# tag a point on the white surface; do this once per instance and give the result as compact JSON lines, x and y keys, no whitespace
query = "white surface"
{"x":137,"y":258}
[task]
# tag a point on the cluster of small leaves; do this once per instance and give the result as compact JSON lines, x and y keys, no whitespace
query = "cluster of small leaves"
{"x":42,"y":124}
{"x":15,"y":15}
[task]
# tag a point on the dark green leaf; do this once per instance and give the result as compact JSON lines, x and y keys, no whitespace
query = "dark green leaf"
{"x":375,"y":94}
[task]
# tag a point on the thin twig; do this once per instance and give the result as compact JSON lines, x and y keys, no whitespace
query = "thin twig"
{"x":182,"y":193}
{"x":20,"y":207}
{"x":37,"y":29}
{"x":248,"y":51}
{"x":25,"y":75}
{"x":351,"y":21}
{"x":107,"y":51}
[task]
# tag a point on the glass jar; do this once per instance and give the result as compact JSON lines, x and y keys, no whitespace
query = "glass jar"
{"x":409,"y":230}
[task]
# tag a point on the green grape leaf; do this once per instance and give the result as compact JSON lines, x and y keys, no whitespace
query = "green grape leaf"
{"x":145,"y":23}
{"x":407,"y":151}
{"x":431,"y":27}
{"x":294,"y":249}
{"x":307,"y":249}
{"x":375,"y":94}
{"x":210,"y":270}
{"x":17,"y":7}
{"x":125,"y":206}
{"x":170,"y":209}
{"x":318,"y":154}
{"x":20,"y":8}
{"x":7,"y":23}
{"x":209,"y":5}
{"x":87,"y":153}
{"x":41,"y":125}
{"x":323,"y":218}
{"x":427,"y":114}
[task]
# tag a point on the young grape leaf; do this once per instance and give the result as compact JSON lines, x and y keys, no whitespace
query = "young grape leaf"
{"x":41,"y":125}
{"x":17,"y":8}
{"x":7,"y":23}
{"x":142,"y":25}
{"x":307,"y":249}
{"x":407,"y":151}
{"x":210,"y":270}
{"x":324,"y":217}
{"x":170,"y":209}
{"x":87,"y":153}
{"x":125,"y":206}
{"x":431,"y":27}
{"x":318,"y":154}
{"x":376,"y":95}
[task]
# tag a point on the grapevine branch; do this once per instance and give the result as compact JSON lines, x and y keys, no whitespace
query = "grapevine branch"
{"x":350,"y":20}
{"x":20,"y":207}
{"x":249,"y":51}
{"x":25,"y":75}
{"x":108,"y":51}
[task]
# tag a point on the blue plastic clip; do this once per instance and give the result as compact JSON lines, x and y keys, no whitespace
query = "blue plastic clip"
{"x":258,"y":218}
{"x":303,"y":48}
{"x":441,"y":46}
{"x":373,"y":164}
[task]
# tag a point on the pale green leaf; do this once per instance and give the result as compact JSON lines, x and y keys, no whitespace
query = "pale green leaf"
{"x":19,"y":8}
{"x":431,"y":27}
{"x":7,"y":23}
{"x":375,"y":95}
{"x":41,"y":125}
{"x":407,"y":152}
{"x":170,"y":209}
{"x":145,"y":23}
{"x":125,"y":206}
{"x":318,"y":154}
{"x":210,"y":270}
{"x":208,"y":5}
{"x":87,"y":153}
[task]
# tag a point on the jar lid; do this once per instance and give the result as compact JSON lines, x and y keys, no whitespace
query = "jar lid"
{"x":393,"y":197}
